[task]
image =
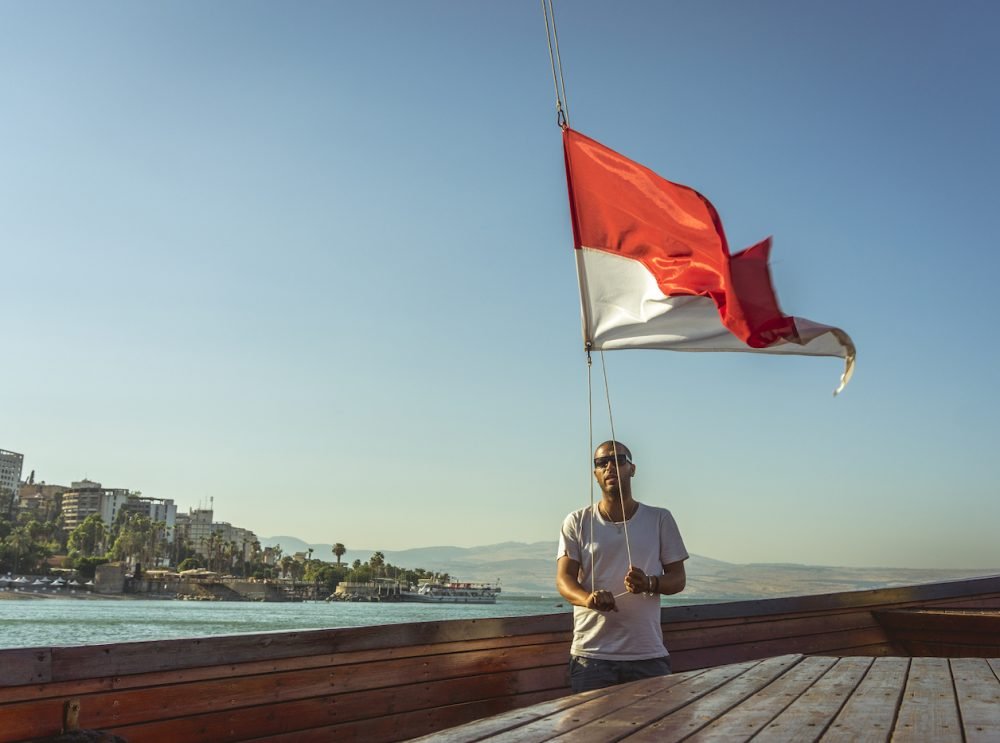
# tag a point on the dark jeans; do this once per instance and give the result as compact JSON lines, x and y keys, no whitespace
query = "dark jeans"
{"x":593,"y":673}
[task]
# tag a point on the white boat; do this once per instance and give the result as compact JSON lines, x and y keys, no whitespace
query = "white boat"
{"x":433,"y":592}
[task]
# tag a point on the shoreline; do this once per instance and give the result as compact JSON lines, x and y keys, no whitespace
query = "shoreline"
{"x":22,"y":596}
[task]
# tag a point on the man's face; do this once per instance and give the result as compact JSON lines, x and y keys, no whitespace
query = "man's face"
{"x":608,"y":472}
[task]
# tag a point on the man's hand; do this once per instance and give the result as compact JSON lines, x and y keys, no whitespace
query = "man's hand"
{"x":636,"y":580}
{"x":601,"y":601}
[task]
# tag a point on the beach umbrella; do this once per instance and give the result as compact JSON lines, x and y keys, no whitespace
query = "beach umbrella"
{"x":73,"y":582}
{"x":38,"y":582}
{"x":58,"y":582}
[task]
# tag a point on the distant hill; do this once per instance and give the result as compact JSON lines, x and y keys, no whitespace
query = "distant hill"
{"x":530,"y":569}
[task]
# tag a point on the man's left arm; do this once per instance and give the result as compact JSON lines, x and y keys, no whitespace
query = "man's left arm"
{"x":672,"y":580}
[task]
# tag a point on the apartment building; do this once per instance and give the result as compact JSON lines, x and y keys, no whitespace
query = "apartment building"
{"x":198,"y":525}
{"x":40,"y":501}
{"x":11,"y":464}
{"x":86,"y":498}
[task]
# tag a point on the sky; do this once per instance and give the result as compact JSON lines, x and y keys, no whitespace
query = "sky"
{"x":312,"y":263}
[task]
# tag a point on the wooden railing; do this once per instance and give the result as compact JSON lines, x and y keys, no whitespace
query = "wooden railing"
{"x":399,"y":681}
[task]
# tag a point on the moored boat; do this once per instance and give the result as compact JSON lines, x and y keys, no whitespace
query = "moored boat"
{"x":435,"y":592}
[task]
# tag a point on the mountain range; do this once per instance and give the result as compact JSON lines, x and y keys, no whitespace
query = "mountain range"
{"x":530,"y":569}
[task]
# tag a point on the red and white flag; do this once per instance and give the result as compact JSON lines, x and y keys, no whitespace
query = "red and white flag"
{"x":655,"y":269}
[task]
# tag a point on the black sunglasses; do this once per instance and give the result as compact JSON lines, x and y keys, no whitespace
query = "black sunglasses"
{"x":601,"y":462}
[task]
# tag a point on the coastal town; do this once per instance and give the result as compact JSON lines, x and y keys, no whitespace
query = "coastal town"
{"x":85,"y":539}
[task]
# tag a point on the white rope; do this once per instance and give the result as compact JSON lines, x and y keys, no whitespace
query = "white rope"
{"x":618,"y":473}
{"x":590,"y":453}
{"x":555,"y":61}
{"x":562,"y":80}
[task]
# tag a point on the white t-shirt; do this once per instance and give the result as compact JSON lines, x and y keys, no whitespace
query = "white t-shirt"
{"x":633,"y":632}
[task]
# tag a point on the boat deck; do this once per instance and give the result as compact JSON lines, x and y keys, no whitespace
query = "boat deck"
{"x":786,"y":698}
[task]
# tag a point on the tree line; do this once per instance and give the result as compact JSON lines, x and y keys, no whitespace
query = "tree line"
{"x":26,"y":544}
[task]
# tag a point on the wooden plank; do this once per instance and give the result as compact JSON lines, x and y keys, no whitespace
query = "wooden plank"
{"x":491,"y":726}
{"x":985,"y":589}
{"x":808,"y":716}
{"x":947,"y":620}
{"x":30,"y":720}
{"x":25,"y":666}
{"x":112,"y":710}
{"x":694,"y":716}
{"x":320,"y":660}
{"x":757,"y":631}
{"x":880,"y":650}
{"x":134,"y":706}
{"x":635,"y":716}
{"x":814,"y":645}
{"x":71,"y":663}
{"x":978,"y":692}
{"x":392,"y":727}
{"x":935,"y":648}
{"x":991,"y":602}
{"x":608,"y":701}
{"x":928,"y":710}
{"x":342,"y":708}
{"x":63,"y":689}
{"x":868,"y":714}
{"x":759,"y":710}
{"x":944,"y":633}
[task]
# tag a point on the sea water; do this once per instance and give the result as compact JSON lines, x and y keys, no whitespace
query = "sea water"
{"x":53,"y":621}
{"x":56,"y":621}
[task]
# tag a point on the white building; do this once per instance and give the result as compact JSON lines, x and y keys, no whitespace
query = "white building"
{"x":10,"y":479}
{"x":198,"y":526}
{"x":86,"y":498}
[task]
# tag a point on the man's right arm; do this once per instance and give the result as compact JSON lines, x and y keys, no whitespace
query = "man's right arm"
{"x":568,"y":583}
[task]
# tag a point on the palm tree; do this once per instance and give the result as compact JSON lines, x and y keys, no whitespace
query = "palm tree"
{"x":338,"y":551}
{"x":215,"y":550}
{"x":89,"y":537}
{"x":20,"y":542}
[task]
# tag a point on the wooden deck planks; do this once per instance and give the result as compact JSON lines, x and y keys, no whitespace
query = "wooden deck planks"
{"x":928,"y":710}
{"x":807,"y":716}
{"x":643,"y":712}
{"x":694,"y":716}
{"x":607,"y":702}
{"x":492,"y":726}
{"x":867,"y":717}
{"x":791,"y":698}
{"x":978,"y":692}
{"x":759,"y":710}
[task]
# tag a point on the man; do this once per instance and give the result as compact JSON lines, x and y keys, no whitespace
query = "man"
{"x":616,"y":634}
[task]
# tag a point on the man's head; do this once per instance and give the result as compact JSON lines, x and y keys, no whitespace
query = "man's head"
{"x":613,"y":467}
